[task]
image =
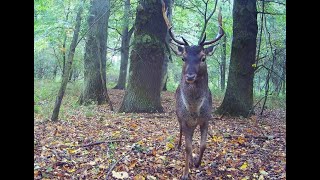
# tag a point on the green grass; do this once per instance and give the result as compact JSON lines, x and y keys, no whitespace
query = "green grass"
{"x":45,"y":92}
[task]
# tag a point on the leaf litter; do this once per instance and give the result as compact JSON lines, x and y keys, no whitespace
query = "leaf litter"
{"x":143,"y":146}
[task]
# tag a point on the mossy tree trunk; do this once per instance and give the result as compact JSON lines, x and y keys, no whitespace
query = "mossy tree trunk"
{"x":65,"y":76}
{"x":125,"y":40}
{"x":238,"y":99}
{"x":95,"y":53}
{"x":146,"y":60}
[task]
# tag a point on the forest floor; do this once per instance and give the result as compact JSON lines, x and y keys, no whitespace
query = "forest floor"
{"x":101,"y":144}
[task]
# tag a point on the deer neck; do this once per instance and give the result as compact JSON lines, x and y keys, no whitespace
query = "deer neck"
{"x":193,"y":95}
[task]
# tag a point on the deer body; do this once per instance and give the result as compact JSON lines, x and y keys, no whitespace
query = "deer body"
{"x":193,"y":97}
{"x":193,"y":106}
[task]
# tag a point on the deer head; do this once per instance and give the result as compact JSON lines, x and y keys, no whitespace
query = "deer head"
{"x":194,"y":56}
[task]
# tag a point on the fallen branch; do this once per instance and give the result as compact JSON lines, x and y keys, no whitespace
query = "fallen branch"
{"x":100,"y":142}
{"x":250,"y":136}
{"x":113,"y":165}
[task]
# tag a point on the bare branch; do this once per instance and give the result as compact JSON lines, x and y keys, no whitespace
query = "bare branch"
{"x":115,"y":30}
{"x":269,"y":13}
{"x":274,"y":2}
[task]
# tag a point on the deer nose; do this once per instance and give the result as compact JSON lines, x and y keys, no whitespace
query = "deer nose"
{"x":190,"y":78}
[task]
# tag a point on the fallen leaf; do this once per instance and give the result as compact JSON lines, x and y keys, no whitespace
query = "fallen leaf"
{"x":120,"y":175}
{"x":138,"y":177}
{"x":244,"y":166}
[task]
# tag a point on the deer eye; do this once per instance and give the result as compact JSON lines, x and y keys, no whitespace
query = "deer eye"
{"x":183,"y":59}
{"x":203,"y":59}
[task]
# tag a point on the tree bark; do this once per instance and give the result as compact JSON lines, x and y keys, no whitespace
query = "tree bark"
{"x":95,"y":50}
{"x":146,"y":60}
{"x":238,"y":99}
{"x":126,"y":35}
{"x":68,"y":66}
{"x":223,"y":63}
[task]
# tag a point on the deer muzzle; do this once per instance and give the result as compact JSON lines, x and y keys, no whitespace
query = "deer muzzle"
{"x":190,"y":78}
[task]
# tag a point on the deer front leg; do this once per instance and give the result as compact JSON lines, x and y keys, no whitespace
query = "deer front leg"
{"x":188,"y":140}
{"x":204,"y":131}
{"x":180,"y":136}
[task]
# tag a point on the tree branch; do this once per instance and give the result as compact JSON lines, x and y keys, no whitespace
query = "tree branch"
{"x":115,"y":30}
{"x":107,"y":141}
{"x":276,"y":14}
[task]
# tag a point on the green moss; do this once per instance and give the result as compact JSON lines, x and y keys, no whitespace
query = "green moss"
{"x":146,"y":40}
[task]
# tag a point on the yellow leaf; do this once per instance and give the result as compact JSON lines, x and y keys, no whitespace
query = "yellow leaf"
{"x":138,"y":177}
{"x":169,"y":146}
{"x":217,"y":139}
{"x":120,"y":175}
{"x":254,"y":65}
{"x":116,"y":133}
{"x":244,"y":166}
{"x":140,"y":142}
{"x":72,"y":151}
{"x":71,"y":170}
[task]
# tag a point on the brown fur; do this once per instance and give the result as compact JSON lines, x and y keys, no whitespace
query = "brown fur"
{"x":193,"y":108}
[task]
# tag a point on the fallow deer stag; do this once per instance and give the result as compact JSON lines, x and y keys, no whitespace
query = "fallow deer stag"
{"x":193,"y":96}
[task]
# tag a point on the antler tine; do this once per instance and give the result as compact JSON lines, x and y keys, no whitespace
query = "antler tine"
{"x":164,"y":14}
{"x":177,"y":41}
{"x":221,"y":31}
{"x":203,"y":39}
{"x":185,"y":41}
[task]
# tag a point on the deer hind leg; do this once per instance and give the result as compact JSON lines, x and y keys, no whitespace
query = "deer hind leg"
{"x":204,"y":131}
{"x":188,"y":141}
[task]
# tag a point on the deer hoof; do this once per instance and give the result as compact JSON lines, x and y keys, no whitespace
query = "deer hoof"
{"x":196,"y":162}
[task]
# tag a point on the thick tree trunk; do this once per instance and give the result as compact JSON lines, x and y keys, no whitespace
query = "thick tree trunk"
{"x":68,"y":67}
{"x":223,"y":63}
{"x":95,"y":51}
{"x":146,"y":60}
{"x":126,"y":35}
{"x":238,"y":98}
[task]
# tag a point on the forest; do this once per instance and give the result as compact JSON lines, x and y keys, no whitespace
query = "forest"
{"x":119,"y":84}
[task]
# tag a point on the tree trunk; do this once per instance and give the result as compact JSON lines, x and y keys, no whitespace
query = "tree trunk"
{"x":223,"y":63}
{"x":238,"y":99}
{"x":95,"y":51}
{"x":55,"y":70}
{"x":126,"y":35}
{"x":68,"y":66}
{"x":164,"y":73}
{"x":146,"y":60}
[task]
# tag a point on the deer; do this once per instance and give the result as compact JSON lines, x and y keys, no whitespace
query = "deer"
{"x":193,"y":96}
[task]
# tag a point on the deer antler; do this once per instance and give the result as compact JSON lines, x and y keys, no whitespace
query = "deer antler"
{"x":220,"y":34}
{"x":164,"y":14}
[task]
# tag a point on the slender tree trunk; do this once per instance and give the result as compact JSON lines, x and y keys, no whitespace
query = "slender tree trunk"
{"x":223,"y":63}
{"x":126,"y":35}
{"x":68,"y":67}
{"x":95,"y":50}
{"x":55,"y":71}
{"x":238,"y":99}
{"x":146,"y":60}
{"x":164,"y":73}
{"x":284,"y":75}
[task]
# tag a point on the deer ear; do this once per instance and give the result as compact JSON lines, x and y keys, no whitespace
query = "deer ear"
{"x":178,"y":50}
{"x":210,"y":50}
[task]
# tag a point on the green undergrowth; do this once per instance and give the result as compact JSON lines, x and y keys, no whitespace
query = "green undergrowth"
{"x":45,"y":92}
